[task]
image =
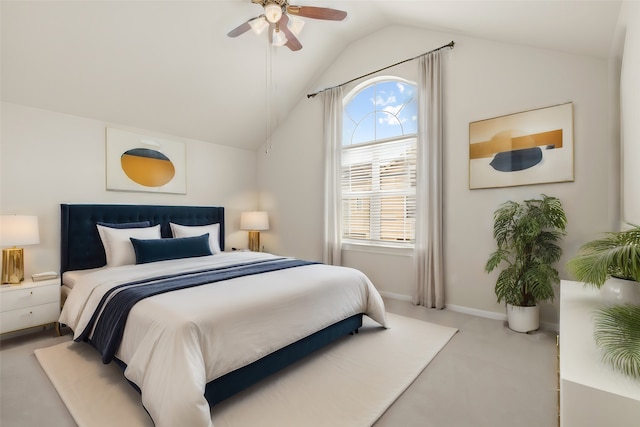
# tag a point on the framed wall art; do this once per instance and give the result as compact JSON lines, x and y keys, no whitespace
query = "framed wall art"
{"x":137,"y":162}
{"x":530,"y":147}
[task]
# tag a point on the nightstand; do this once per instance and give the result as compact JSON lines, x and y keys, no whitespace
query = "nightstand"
{"x":29,"y":304}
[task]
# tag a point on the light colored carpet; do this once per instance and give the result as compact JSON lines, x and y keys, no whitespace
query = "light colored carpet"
{"x":349,"y":383}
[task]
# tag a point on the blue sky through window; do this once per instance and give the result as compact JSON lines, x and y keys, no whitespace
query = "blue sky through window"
{"x":386,"y":109}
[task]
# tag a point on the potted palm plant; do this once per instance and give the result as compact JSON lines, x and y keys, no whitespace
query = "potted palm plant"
{"x":527,"y":234}
{"x":612,"y":264}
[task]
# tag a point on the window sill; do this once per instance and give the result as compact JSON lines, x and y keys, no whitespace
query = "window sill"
{"x":378,"y":249}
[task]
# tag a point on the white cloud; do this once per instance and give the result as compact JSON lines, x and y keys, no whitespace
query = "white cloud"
{"x":392,"y":118}
{"x":393,"y":109}
{"x":383,"y":99}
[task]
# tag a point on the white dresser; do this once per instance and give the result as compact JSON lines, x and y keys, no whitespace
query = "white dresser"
{"x":591,"y":393}
{"x":29,"y":304}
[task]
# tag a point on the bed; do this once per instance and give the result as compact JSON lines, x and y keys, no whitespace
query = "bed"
{"x":252,"y":315}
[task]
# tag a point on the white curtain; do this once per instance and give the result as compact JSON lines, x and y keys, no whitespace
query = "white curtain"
{"x":428,"y":261}
{"x":332,"y":245}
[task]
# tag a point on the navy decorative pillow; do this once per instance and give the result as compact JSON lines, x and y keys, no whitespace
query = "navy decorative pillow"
{"x":139,"y":224}
{"x":152,"y":250}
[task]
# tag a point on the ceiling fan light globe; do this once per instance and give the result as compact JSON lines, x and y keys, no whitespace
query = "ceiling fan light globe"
{"x":278,"y":39}
{"x":258,"y":24}
{"x":273,"y":12}
{"x":295,"y":25}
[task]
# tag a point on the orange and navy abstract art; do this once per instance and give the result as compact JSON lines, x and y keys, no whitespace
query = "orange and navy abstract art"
{"x":138,"y":162}
{"x":147,"y":167}
{"x":531,"y":147}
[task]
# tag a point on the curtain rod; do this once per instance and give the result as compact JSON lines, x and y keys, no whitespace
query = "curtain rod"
{"x":450,"y":44}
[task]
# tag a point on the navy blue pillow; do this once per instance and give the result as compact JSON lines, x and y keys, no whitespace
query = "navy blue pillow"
{"x":139,"y":224}
{"x":152,"y":250}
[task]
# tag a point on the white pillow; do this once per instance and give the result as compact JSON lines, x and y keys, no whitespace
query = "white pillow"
{"x":118,"y":246}
{"x":198,"y":230}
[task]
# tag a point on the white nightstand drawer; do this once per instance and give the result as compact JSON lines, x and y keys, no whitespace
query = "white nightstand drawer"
{"x":17,"y":297}
{"x":28,"y":317}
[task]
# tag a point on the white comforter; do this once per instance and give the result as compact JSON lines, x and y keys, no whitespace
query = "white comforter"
{"x":175,"y":343}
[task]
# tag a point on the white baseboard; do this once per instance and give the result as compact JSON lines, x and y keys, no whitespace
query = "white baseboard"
{"x":476,"y":312}
{"x":472,"y":311}
{"x":400,"y":297}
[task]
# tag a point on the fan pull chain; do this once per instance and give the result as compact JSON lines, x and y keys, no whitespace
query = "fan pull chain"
{"x":268,"y":78}
{"x":271,"y":110}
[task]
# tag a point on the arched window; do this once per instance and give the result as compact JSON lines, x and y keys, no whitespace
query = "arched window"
{"x":380,"y":122}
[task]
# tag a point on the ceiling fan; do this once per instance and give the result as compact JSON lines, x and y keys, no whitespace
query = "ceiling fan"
{"x":282,"y":20}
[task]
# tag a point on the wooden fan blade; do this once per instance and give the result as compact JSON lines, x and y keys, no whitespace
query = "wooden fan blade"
{"x":292,"y":41}
{"x":317,"y":12}
{"x":240,"y":29}
{"x":244,"y":27}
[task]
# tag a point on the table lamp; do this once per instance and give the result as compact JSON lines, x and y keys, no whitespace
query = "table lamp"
{"x":254,"y":222}
{"x":16,"y":230}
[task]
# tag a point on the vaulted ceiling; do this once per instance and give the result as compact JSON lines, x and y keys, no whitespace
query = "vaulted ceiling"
{"x":168,"y":66}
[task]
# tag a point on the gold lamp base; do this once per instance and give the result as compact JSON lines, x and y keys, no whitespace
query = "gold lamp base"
{"x":12,"y":265}
{"x":254,"y":241}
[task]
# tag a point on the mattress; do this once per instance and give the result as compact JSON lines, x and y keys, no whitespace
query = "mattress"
{"x":69,"y":279}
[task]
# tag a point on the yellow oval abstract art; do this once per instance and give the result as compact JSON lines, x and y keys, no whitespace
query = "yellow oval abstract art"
{"x":147,"y":167}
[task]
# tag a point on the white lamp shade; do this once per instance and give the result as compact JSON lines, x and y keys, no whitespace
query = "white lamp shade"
{"x":257,"y":221}
{"x":273,"y":12}
{"x":258,"y":24}
{"x":19,"y":230}
{"x":278,"y":39}
{"x":295,"y":25}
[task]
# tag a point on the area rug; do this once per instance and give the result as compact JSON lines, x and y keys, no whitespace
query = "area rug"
{"x":349,"y":383}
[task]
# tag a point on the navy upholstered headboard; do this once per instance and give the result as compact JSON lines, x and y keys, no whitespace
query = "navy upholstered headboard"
{"x":80,"y":245}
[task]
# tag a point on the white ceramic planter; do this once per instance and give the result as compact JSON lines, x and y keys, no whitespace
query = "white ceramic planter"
{"x":620,"y":291}
{"x":523,"y":319}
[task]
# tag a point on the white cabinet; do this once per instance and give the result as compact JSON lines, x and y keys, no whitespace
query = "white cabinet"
{"x":592,"y":394}
{"x":29,"y":304}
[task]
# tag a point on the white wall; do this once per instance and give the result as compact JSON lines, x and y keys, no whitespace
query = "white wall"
{"x":483,"y":79}
{"x":50,"y":158}
{"x":291,"y":185}
{"x":630,"y":111}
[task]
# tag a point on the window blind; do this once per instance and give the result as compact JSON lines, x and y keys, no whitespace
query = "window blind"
{"x":378,"y":191}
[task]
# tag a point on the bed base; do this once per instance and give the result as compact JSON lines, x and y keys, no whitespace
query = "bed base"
{"x":236,"y":381}
{"x":240,"y":379}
